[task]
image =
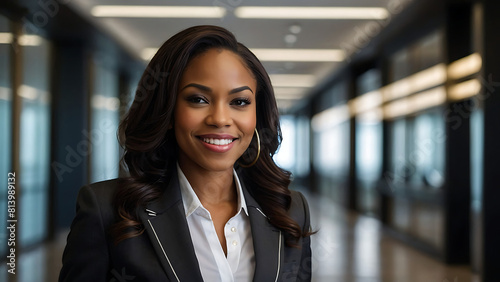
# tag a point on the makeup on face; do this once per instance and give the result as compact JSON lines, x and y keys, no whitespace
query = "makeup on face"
{"x":215,"y":114}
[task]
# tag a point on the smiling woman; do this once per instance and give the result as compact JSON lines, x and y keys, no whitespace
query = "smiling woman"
{"x":215,"y":105}
{"x":204,"y":200}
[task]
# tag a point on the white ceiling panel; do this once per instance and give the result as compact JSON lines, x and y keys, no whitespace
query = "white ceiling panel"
{"x":136,"y":34}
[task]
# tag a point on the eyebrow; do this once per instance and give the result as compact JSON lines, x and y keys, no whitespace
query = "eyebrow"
{"x":208,"y":89}
{"x":239,"y":89}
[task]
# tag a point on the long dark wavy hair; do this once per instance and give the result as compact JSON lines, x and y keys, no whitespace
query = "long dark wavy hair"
{"x":150,"y":146}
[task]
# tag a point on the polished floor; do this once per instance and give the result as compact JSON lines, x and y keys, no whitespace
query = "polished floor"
{"x":347,"y":248}
{"x":353,"y":248}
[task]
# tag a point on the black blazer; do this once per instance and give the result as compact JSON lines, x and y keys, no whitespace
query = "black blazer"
{"x":164,"y":252}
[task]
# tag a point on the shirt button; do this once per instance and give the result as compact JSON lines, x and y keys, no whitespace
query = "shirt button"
{"x":233,"y":229}
{"x":235,"y":243}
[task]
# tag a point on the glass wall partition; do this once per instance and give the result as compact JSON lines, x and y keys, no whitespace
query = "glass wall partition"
{"x":5,"y":123}
{"x":331,"y":144}
{"x":303,"y":136}
{"x":368,"y":163}
{"x":332,"y":161}
{"x":34,"y":139}
{"x":416,"y":145}
{"x":105,"y":117}
{"x":286,"y":156}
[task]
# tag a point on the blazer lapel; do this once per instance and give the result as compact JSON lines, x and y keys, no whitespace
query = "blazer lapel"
{"x":166,"y":225}
{"x":267,"y":242}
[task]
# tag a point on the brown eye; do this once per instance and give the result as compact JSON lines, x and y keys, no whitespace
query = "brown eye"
{"x":197,"y":100}
{"x":241,"y":102}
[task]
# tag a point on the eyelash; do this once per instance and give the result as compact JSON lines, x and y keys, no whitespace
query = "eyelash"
{"x":199,"y":99}
{"x":244,"y":100}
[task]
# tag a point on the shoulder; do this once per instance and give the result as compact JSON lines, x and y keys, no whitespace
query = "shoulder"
{"x":299,"y":209}
{"x":87,"y":254}
{"x":98,"y":196}
{"x":299,"y":202}
{"x":104,"y":190}
{"x":104,"y":187}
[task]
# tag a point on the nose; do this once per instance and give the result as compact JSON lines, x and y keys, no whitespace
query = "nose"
{"x":219,"y":115}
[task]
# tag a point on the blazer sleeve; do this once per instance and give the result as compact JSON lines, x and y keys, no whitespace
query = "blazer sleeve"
{"x":305,"y":270}
{"x":86,"y":256}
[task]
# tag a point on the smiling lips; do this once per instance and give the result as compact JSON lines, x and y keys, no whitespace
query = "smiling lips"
{"x":217,"y":143}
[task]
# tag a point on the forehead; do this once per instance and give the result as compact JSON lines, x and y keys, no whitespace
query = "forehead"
{"x":218,"y":66}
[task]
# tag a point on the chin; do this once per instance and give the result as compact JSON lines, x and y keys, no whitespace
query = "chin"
{"x":219,"y":165}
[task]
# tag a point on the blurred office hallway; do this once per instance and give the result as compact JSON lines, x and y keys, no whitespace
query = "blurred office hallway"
{"x":348,"y":247}
{"x":351,"y":247}
{"x":389,"y":111}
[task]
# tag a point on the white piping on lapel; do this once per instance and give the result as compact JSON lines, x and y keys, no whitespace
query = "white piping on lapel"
{"x":279,"y":247}
{"x":150,"y":212}
{"x":262,"y":212}
{"x":161,"y":246}
{"x":279,"y":259}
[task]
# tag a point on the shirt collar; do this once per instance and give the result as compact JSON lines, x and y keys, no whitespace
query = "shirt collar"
{"x":191,"y":201}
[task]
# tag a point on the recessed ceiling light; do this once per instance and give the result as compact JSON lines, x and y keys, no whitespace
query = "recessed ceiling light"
{"x":5,"y":93}
{"x":299,"y":55}
{"x":28,"y":92}
{"x":295,"y":28}
{"x":330,"y":117}
{"x":290,"y":39}
{"x":319,"y":13}
{"x":148,"y":53}
{"x":465,"y":66}
{"x":412,"y":104}
{"x":280,"y":55}
{"x":158,"y":11}
{"x":6,"y":38}
{"x":293,"y":80}
{"x":289,"y":93}
{"x":29,"y":40}
{"x":23,"y":40}
{"x":464,"y":89}
{"x":414,"y":83}
{"x":366,"y":102}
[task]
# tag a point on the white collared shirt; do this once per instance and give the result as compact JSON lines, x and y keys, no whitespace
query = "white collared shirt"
{"x":239,"y":265}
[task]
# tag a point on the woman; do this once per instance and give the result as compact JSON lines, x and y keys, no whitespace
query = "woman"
{"x":204,"y":200}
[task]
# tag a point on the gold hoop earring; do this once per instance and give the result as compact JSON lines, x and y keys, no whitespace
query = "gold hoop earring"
{"x":258,"y":152}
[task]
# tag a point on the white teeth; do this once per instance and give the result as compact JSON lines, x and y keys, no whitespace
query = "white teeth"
{"x":217,"y":141}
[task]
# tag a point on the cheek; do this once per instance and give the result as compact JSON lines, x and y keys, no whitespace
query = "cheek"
{"x":247,"y":125}
{"x":185,"y":122}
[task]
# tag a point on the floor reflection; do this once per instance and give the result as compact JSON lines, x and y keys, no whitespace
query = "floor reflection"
{"x":347,"y":248}
{"x":353,"y":248}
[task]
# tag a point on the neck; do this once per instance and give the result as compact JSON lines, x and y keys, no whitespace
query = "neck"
{"x":211,"y":187}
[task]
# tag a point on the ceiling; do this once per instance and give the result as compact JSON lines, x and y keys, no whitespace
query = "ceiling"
{"x":137,"y":34}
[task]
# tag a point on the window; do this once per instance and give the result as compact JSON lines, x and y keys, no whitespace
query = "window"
{"x":104,"y":124}
{"x":5,"y":128}
{"x":427,"y":153}
{"x":303,"y":134}
{"x":368,"y":142}
{"x":285,"y":157}
{"x":34,"y":142}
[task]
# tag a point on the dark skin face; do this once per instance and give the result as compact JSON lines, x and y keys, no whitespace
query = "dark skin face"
{"x":216,"y":99}
{"x":215,"y":117}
